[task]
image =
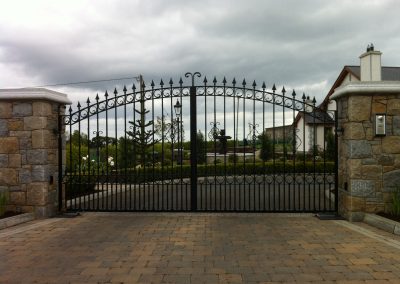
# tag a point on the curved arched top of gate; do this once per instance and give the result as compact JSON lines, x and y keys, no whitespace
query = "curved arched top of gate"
{"x":214,"y":88}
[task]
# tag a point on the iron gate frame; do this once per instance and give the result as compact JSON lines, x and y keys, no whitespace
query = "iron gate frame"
{"x":276,"y":99}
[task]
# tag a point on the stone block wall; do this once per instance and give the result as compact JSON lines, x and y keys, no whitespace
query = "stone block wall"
{"x":369,"y":165}
{"x":29,"y":151}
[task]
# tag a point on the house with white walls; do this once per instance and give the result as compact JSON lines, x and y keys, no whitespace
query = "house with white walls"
{"x":310,"y":128}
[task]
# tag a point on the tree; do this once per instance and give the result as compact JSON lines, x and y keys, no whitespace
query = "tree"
{"x":201,"y":148}
{"x":77,"y":137}
{"x":266,"y":147}
{"x":142,"y":139}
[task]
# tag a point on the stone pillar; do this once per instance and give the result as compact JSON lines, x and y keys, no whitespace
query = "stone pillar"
{"x":369,"y":165}
{"x":29,"y":149}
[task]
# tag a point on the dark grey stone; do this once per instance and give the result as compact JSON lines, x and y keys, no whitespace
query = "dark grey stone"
{"x":391,"y":180}
{"x":3,"y":160}
{"x":36,"y":157}
{"x":22,"y":109}
{"x":23,"y":157}
{"x":3,"y":125}
{"x":15,"y":188}
{"x":362,"y":188}
{"x":25,"y":176}
{"x":369,"y":162}
{"x":396,"y":125}
{"x":40,"y":173}
{"x":359,"y":149}
{"x":25,"y":143}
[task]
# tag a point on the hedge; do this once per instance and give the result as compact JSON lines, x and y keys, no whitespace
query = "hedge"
{"x":149,"y":174}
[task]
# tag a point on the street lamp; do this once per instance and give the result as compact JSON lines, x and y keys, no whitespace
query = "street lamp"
{"x":178,"y":108}
{"x":178,"y":112}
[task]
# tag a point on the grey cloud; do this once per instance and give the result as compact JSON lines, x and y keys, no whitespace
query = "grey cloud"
{"x":294,"y":43}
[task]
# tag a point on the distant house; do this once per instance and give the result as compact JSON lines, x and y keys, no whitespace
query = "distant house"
{"x":312,"y":128}
{"x":280,"y":133}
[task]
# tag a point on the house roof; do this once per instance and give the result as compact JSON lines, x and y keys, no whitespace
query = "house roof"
{"x":317,"y":117}
{"x":388,"y":74}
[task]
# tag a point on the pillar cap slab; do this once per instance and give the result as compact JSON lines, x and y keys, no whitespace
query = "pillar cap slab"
{"x":363,"y":88}
{"x":34,"y":94}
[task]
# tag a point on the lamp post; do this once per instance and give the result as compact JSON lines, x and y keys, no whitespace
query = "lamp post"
{"x":178,"y":113}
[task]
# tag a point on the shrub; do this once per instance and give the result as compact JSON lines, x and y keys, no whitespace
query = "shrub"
{"x":3,"y":202}
{"x":266,"y":147}
{"x":396,"y":202}
{"x":141,"y":175}
{"x":233,"y":158}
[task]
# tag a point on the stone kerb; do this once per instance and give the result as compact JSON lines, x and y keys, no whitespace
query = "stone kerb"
{"x":369,"y":165}
{"x":29,"y":148}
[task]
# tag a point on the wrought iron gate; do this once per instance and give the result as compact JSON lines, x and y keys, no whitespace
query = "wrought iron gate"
{"x":249,"y":149}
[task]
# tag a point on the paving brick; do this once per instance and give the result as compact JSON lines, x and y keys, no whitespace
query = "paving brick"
{"x":195,"y":248}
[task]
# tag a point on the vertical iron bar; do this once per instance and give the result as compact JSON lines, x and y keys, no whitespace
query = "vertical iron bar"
{"x":234,"y":144}
{"x":225,"y":160}
{"x":80,"y":159}
{"x":294,"y":150}
{"x":116,"y":152}
{"x":153,"y":142}
{"x":264,"y":142}
{"x":72,"y":175}
{"x":98,"y":155}
{"x":60,"y":166}
{"x":336,"y":164}
{"x":314,"y":151}
{"x":125,"y":154}
{"x":107,"y":169}
{"x":143,"y":141}
{"x":129,"y":158}
{"x":181,"y":150}
{"x":215,"y":151}
{"x":134,"y":150}
{"x":162,"y":149}
{"x":304,"y":151}
{"x":324,"y":119}
{"x":173,"y":152}
{"x":273,"y":148}
{"x":284,"y":148}
{"x":254,"y":150}
{"x":205,"y":184}
{"x":193,"y":148}
{"x":89,"y":158}
{"x":244,"y":146}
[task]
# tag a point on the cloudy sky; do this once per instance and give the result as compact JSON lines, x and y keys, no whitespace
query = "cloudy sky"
{"x":299,"y":44}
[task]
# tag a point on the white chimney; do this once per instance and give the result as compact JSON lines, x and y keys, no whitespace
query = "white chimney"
{"x":370,"y":65}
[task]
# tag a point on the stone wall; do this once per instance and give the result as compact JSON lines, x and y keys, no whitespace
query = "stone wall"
{"x":369,"y":165}
{"x":29,"y":151}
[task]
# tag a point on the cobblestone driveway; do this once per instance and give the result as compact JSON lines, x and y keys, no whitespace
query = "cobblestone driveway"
{"x":196,"y":248}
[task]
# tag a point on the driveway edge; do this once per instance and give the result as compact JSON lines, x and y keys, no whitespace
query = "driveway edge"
{"x":15,"y":220}
{"x":382,"y":223}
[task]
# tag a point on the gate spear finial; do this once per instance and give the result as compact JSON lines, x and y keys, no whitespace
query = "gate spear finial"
{"x":198,"y":74}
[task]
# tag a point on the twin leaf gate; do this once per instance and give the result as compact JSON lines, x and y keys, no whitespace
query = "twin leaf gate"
{"x":207,"y":147}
